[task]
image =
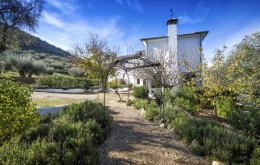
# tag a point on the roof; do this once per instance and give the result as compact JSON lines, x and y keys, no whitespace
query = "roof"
{"x":204,"y":33}
{"x":140,"y":53}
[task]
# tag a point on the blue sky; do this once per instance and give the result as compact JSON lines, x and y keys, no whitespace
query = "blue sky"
{"x":124,"y":22}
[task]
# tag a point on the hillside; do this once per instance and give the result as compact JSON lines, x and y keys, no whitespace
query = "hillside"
{"x":41,"y":46}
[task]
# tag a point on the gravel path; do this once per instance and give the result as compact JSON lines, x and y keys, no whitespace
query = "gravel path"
{"x":134,"y":140}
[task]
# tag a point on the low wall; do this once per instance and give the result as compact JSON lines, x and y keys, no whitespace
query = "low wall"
{"x":61,"y":90}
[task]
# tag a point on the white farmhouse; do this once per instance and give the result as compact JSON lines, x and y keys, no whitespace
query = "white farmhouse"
{"x":175,"y":48}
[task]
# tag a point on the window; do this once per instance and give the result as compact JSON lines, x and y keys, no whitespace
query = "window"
{"x":138,"y":81}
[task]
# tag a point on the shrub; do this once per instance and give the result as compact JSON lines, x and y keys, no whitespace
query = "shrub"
{"x":211,"y":140}
{"x":140,"y":103}
{"x":76,"y":72}
{"x":141,"y":92}
{"x":70,"y":138}
{"x":255,"y":157}
{"x":245,"y":118}
{"x":57,"y":65}
{"x":113,"y":84}
{"x":63,"y":81}
{"x":224,"y":105}
{"x":152,"y":112}
{"x":49,"y":71}
{"x":88,"y":110}
{"x":16,"y":108}
{"x":185,"y":98}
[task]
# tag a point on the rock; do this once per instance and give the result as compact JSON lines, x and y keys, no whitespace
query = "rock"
{"x":163,"y":125}
{"x":194,"y":143}
{"x":217,"y":163}
{"x":142,"y":110}
{"x":162,"y":121}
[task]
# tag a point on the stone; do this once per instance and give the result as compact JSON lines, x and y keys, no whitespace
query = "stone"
{"x":163,"y":125}
{"x":142,"y":110}
{"x":217,"y":163}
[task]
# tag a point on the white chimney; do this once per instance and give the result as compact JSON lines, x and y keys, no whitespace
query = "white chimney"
{"x":172,"y":46}
{"x":172,"y":35}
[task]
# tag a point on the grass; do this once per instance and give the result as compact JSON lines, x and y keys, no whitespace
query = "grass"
{"x":44,"y":102}
{"x":10,"y":74}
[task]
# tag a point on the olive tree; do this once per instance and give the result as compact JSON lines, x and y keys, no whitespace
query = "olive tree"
{"x":17,"y":15}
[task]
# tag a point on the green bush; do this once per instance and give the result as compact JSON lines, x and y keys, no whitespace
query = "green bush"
{"x":255,"y":157}
{"x":211,"y":140}
{"x":224,"y":105}
{"x":152,"y":112}
{"x":113,"y":84}
{"x":140,"y":103}
{"x":16,"y":108}
{"x":246,"y":118}
{"x":185,"y":98}
{"x":64,"y":81}
{"x":70,"y":138}
{"x":76,"y":72}
{"x":49,"y":71}
{"x":141,"y":92}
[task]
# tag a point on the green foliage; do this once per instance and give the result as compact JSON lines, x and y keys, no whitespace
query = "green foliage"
{"x":15,"y":15}
{"x":152,"y":112}
{"x":56,"y":80}
{"x":185,"y":97}
{"x":49,"y":71}
{"x":255,"y":157}
{"x":95,"y":57}
{"x":2,"y":67}
{"x":57,"y":65}
{"x":69,"y":138}
{"x":208,"y":139}
{"x":140,"y":103}
{"x":16,"y":108}
{"x":141,"y":92}
{"x":246,"y":118}
{"x":25,"y":65}
{"x":76,"y":72}
{"x":224,"y":105}
{"x":113,"y":84}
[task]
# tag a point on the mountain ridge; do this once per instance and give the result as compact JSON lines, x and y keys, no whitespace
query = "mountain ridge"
{"x":41,"y":46}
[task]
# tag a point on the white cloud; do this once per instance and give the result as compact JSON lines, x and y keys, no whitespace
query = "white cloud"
{"x":135,"y":5}
{"x":188,"y":20}
{"x":120,"y":2}
{"x":197,"y":16}
{"x":65,"y":5}
{"x":51,"y":19}
{"x":132,"y":4}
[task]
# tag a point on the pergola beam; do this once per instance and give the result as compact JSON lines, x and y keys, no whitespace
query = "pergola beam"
{"x":144,"y":66}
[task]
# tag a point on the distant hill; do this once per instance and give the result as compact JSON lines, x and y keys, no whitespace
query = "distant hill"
{"x":41,"y":46}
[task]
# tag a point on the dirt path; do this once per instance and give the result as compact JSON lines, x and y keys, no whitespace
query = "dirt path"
{"x":134,"y":140}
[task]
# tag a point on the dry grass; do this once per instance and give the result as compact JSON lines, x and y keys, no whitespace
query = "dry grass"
{"x":44,"y":102}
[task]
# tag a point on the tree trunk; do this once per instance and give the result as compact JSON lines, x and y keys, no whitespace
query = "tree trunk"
{"x":3,"y":40}
{"x":103,"y":83}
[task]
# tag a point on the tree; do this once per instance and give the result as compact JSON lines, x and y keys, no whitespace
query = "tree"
{"x":94,"y":57}
{"x":244,"y":61}
{"x":25,"y":65}
{"x":16,"y":15}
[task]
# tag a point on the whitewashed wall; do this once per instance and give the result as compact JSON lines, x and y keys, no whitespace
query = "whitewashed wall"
{"x":188,"y":50}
